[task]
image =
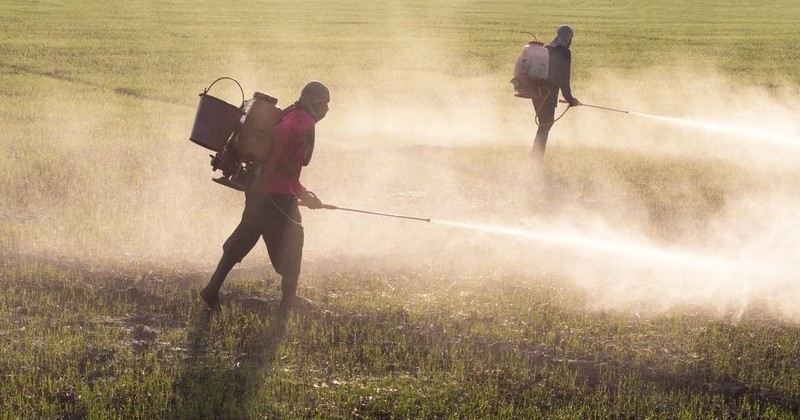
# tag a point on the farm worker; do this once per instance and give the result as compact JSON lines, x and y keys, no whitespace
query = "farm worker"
{"x":271,"y":204}
{"x":558,"y":79}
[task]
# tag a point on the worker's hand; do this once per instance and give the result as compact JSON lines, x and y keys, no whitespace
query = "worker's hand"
{"x":574,"y":102}
{"x":310,"y":200}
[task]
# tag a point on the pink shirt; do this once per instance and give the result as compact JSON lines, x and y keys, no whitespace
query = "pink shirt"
{"x":290,"y":137}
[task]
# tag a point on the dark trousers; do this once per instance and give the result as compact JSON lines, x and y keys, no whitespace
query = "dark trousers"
{"x":545,"y":108}
{"x":276,"y":218}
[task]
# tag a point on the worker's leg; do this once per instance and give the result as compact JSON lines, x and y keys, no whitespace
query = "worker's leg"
{"x":291,"y":256}
{"x":238,"y":245}
{"x":284,"y":238}
{"x":545,"y":114}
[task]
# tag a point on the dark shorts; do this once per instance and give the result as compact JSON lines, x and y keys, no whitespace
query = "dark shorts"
{"x":276,"y":218}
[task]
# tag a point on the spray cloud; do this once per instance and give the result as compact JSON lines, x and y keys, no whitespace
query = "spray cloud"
{"x":453,"y":148}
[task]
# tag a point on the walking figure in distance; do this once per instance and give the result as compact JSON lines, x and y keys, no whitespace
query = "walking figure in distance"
{"x":558,"y":77}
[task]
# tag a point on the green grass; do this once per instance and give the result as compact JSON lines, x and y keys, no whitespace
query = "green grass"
{"x":106,"y":233}
{"x":133,"y":342}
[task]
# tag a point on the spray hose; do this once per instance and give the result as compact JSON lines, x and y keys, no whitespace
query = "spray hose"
{"x":536,"y":109}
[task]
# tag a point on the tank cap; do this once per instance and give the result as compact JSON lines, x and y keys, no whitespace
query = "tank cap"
{"x":264,"y":96}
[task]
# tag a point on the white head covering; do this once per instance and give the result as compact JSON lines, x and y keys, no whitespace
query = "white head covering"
{"x":563,"y":37}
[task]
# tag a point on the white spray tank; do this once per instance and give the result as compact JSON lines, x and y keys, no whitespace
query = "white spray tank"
{"x":531,"y":69}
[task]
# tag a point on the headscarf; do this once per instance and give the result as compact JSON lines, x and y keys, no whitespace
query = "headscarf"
{"x":314,"y":91}
{"x":563,"y":37}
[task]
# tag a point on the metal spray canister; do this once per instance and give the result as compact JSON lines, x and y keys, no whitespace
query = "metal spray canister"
{"x":255,"y":137}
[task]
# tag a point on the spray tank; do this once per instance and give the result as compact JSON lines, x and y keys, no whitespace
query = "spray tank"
{"x":531,"y":69}
{"x":215,"y":119}
{"x":241,"y":136}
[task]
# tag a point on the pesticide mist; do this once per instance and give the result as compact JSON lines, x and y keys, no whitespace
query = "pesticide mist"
{"x":611,"y":218}
{"x":593,"y":230}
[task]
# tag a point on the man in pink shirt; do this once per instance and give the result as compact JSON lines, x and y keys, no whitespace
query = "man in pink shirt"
{"x":271,"y":204}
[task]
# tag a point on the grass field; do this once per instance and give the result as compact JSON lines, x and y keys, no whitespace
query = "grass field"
{"x":652,"y":274}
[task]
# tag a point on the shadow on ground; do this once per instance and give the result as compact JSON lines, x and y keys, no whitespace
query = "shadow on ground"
{"x":213,"y":385}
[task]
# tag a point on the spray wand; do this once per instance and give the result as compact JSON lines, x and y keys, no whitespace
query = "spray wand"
{"x":332,"y":207}
{"x":598,"y":107}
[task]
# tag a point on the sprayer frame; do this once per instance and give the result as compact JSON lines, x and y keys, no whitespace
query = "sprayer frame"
{"x":237,"y":173}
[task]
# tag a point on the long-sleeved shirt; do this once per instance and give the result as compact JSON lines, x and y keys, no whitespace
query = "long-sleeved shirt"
{"x":558,"y":78}
{"x":291,"y":139}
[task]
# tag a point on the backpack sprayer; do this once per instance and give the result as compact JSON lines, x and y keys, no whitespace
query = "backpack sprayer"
{"x":531,"y":72}
{"x":240,"y":136}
